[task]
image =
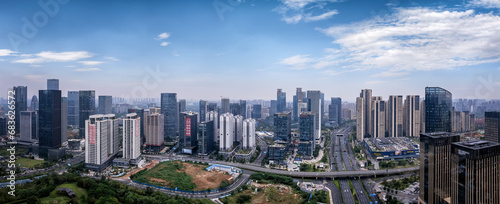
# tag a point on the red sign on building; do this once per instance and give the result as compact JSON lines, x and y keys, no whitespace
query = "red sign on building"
{"x":92,"y":136}
{"x":188,"y":126}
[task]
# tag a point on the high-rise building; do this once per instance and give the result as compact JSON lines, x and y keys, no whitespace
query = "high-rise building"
{"x":412,"y":116}
{"x":206,"y":135}
{"x":243,"y":108}
{"x":169,"y":109}
{"x":226,"y":132}
{"x":347,"y":114}
{"x":314,"y":106}
{"x":363,"y":114}
{"x":438,"y":110}
{"x":52,"y":84}
{"x":29,"y":127}
{"x":86,"y":100}
{"x":214,"y":116}
{"x":188,"y":132}
{"x":492,"y":126}
{"x":378,"y":117}
{"x":140,"y":114}
{"x":234,"y":108}
{"x":34,"y":103}
{"x":248,"y":133}
{"x":105,"y":104}
{"x":131,"y":136}
{"x":238,"y":128}
{"x":101,"y":141}
{"x":182,"y":105}
{"x":298,"y":98}
{"x":203,"y":110}
{"x":394,"y":116}
{"x":153,"y":129}
{"x":475,"y":172}
{"x":435,"y":164}
{"x":224,"y":104}
{"x":281,"y":101}
{"x":282,"y":126}
{"x":3,"y":125}
{"x":273,"y":107}
{"x":212,"y":107}
{"x":21,"y":100}
{"x":322,"y":98}
{"x":64,"y":119}
{"x":73,"y":108}
{"x":335,"y":110}
{"x":307,"y":134}
{"x":422,"y":116}
{"x":49,"y":121}
{"x":257,"y":111}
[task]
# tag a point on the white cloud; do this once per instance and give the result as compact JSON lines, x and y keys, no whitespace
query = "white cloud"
{"x":33,"y":77}
{"x":86,"y":69}
{"x":391,"y":74}
{"x":323,"y":16}
{"x":48,"y":56}
{"x":162,"y":36}
{"x":486,"y":3}
{"x":375,"y":82}
{"x":6,"y":52}
{"x":420,"y":39}
{"x":297,"y":61}
{"x":294,"y":11}
{"x":111,"y":58}
{"x":91,"y":63}
{"x":164,"y":43}
{"x":175,"y":54}
{"x":293,"y":19}
{"x":301,"y":4}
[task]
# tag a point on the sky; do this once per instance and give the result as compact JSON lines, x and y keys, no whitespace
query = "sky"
{"x":207,"y":49}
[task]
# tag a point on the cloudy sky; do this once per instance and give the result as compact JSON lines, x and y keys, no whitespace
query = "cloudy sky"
{"x":247,"y":49}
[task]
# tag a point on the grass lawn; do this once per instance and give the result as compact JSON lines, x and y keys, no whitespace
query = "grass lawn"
{"x":55,"y":198}
{"x":29,"y":163}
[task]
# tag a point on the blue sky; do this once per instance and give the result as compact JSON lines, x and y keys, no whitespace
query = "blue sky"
{"x":247,"y":49}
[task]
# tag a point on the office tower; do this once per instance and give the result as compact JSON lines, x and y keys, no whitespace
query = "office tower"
{"x":226,"y":132}
{"x":52,"y":84}
{"x":297,"y":99}
{"x":378,"y":114}
{"x":34,"y":103}
{"x":49,"y":120}
{"x":140,"y":114}
{"x":182,"y":105}
{"x":322,"y":97}
{"x":248,"y":133}
{"x":438,"y":110}
{"x":314,"y":106}
{"x":273,"y":107}
{"x":435,"y":164}
{"x":153,"y":129}
{"x":224,"y":104}
{"x":394,"y":116}
{"x":243,"y":108}
{"x":238,"y":128}
{"x":213,"y":116}
{"x":363,"y":114}
{"x":492,"y":126}
{"x":422,"y":116}
{"x":73,"y":108}
{"x":188,"y":131}
{"x":475,"y":172}
{"x":282,"y":126}
{"x":307,"y":136}
{"x":280,"y":101}
{"x":169,"y":109}
{"x":105,"y":104}
{"x":29,"y":129}
{"x":131,"y":139}
{"x":203,"y":110}
{"x":257,"y":111}
{"x":86,"y":100}
{"x":212,"y":107}
{"x":64,"y":119}
{"x":335,"y":110}
{"x":412,"y":116}
{"x":101,"y":141}
{"x":234,"y":108}
{"x":21,"y":100}
{"x":206,"y":137}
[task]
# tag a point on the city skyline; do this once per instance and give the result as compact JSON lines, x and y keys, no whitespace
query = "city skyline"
{"x":337,"y":47}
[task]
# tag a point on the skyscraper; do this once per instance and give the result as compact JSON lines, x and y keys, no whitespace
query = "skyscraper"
{"x":281,"y":101}
{"x":206,"y":142}
{"x":131,"y":139}
{"x":29,"y":127}
{"x":378,"y":114}
{"x":248,"y":133}
{"x":214,"y":116}
{"x":73,"y":108}
{"x":226,"y":132}
{"x":492,"y":126}
{"x":412,"y":116}
{"x":203,"y":110}
{"x":169,"y":109}
{"x":243,"y":108}
{"x":64,"y":119}
{"x":212,"y":107}
{"x":140,"y":114}
{"x":224,"y":104}
{"x":438,"y":110}
{"x":363,"y":114}
{"x":153,"y":129}
{"x":34,"y":103}
{"x":238,"y":128}
{"x":314,"y":106}
{"x":307,"y":134}
{"x":49,"y":131}
{"x":298,"y":98}
{"x":395,"y":116}
{"x":52,"y":84}
{"x":256,"y":111}
{"x":282,"y":126}
{"x":182,"y":105}
{"x":274,"y":107}
{"x":86,"y":100}
{"x":101,"y":141}
{"x":234,"y":108}
{"x":335,"y":110}
{"x":435,"y":164}
{"x":105,"y":104}
{"x":21,"y":100}
{"x":188,"y":132}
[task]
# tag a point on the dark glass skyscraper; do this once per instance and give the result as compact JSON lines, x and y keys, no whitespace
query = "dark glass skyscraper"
{"x":169,"y":109}
{"x":212,"y":107}
{"x":188,"y":132}
{"x":282,"y":126}
{"x":206,"y":137}
{"x":49,"y":121}
{"x":203,"y":110}
{"x":234,"y":108}
{"x":256,"y":111}
{"x":224,"y":104}
{"x":281,"y":101}
{"x":492,"y":126}
{"x":243,"y":108}
{"x":21,"y":100}
{"x":86,"y":100}
{"x":335,"y":110}
{"x":73,"y":108}
{"x":306,"y":129}
{"x":438,"y":110}
{"x":105,"y":105}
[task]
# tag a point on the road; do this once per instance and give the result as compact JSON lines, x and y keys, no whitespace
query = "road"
{"x":263,"y":148}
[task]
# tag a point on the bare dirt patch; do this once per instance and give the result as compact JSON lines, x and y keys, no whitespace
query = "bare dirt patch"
{"x":204,"y":179}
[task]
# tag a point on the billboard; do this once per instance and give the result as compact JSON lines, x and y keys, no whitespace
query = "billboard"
{"x":188,"y":126}
{"x":92,"y":135}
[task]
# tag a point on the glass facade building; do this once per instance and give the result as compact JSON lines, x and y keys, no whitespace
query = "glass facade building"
{"x":86,"y":100}
{"x":438,"y":110}
{"x":49,"y":121}
{"x":169,"y":109}
{"x":282,"y":126}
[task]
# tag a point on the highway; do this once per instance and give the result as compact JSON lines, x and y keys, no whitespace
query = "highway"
{"x":263,"y":148}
